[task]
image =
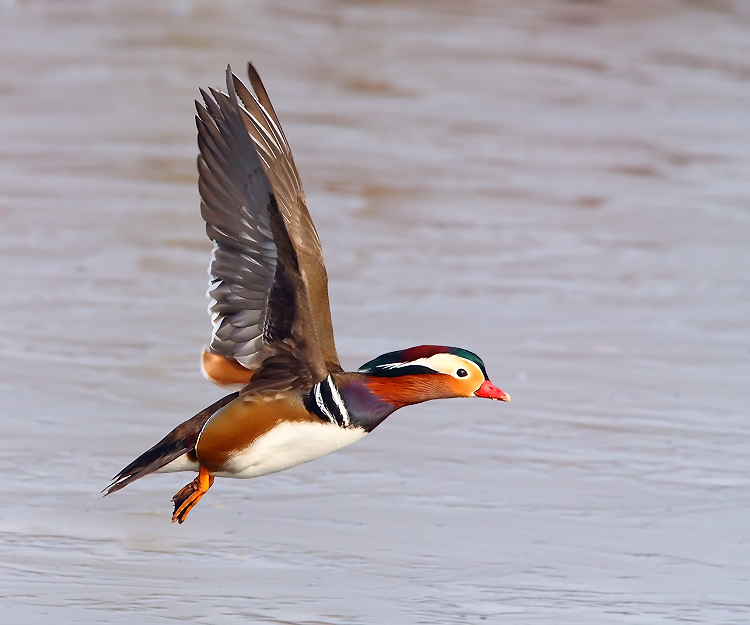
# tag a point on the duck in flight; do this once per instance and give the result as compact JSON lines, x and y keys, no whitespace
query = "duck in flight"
{"x":272,"y":340}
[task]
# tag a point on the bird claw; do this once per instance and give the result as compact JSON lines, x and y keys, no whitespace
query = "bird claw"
{"x":190,"y":494}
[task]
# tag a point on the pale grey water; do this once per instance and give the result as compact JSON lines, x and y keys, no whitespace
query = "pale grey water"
{"x":562,"y":187}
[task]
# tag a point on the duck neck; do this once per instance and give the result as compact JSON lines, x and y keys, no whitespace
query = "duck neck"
{"x":367,"y":409}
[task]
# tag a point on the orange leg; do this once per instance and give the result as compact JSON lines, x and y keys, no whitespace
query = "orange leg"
{"x":191,"y":495}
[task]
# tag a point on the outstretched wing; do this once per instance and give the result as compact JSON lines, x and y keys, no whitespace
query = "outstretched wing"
{"x":268,"y":289}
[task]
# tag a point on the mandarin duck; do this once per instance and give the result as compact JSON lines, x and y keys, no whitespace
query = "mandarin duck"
{"x":272,"y":340}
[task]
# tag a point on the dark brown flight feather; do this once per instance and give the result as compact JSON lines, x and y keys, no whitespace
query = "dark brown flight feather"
{"x":179,"y":441}
{"x":269,"y":287}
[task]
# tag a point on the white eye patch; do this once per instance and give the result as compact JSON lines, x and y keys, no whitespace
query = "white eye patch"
{"x":448,"y":364}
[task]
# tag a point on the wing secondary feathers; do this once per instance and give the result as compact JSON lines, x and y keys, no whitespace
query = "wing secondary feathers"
{"x":268,"y":288}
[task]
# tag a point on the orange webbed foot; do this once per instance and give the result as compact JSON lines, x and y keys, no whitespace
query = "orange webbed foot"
{"x":189,"y":495}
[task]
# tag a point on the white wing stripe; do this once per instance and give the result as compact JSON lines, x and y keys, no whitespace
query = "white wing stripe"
{"x":322,"y":404}
{"x":345,"y":419}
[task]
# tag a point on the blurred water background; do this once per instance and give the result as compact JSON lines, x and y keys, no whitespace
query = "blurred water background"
{"x":562,"y":187}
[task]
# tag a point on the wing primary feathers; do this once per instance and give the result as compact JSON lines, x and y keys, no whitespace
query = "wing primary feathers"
{"x":268,"y":286}
{"x":257,"y":84}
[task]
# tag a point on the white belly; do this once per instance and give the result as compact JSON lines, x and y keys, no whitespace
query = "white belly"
{"x":288,"y":445}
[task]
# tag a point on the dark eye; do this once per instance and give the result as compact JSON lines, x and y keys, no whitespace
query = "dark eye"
{"x":462,"y":373}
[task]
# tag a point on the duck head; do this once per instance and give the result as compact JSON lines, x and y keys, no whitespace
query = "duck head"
{"x":418,"y":374}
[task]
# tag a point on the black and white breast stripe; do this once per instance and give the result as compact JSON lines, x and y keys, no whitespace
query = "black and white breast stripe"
{"x":325,"y":401}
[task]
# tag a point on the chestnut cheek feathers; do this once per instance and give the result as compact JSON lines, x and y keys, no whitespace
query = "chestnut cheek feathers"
{"x":490,"y":391}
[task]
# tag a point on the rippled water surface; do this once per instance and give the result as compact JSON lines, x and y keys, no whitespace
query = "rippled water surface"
{"x":559,"y":186}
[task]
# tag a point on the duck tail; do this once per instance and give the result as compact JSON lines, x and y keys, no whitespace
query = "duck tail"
{"x":179,"y":441}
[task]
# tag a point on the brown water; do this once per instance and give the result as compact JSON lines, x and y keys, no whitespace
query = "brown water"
{"x":559,"y":186}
